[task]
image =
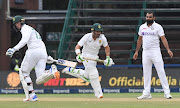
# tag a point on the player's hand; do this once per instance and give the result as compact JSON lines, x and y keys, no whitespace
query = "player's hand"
{"x":10,"y":52}
{"x":108,"y":61}
{"x":50,"y":60}
{"x":135,"y":55}
{"x":79,"y":58}
{"x":170,"y":53}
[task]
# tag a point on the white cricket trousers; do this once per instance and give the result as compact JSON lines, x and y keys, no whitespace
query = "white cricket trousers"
{"x":34,"y":58}
{"x":91,"y":73}
{"x":150,"y":57}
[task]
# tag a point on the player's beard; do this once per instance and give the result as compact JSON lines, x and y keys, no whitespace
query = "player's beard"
{"x":96,"y":35}
{"x":15,"y":28}
{"x":149,"y":21}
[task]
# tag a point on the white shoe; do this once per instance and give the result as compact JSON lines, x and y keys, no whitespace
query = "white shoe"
{"x":32,"y":99}
{"x":54,"y":70}
{"x":145,"y":97}
{"x":68,"y":71}
{"x":168,"y":96}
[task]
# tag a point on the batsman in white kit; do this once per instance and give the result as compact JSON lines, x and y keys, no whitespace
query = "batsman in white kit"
{"x":36,"y":56}
{"x":91,"y":43}
{"x":149,"y":34}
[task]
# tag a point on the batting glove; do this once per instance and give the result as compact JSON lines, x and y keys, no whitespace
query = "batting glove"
{"x":108,"y":62}
{"x":50,"y":60}
{"x":10,"y":52}
{"x":79,"y":58}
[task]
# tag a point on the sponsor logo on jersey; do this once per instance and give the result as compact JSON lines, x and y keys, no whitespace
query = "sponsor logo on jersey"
{"x":99,"y":41}
{"x":148,"y":33}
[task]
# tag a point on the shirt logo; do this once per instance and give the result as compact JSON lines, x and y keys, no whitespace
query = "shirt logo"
{"x":144,"y":28}
{"x":148,"y":33}
{"x":99,"y":41}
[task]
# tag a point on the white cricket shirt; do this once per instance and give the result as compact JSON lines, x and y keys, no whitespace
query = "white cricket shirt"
{"x":151,"y":35}
{"x":30,"y":37}
{"x":91,"y":46}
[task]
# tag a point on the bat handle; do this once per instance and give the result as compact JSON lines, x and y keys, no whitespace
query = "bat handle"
{"x":98,"y":60}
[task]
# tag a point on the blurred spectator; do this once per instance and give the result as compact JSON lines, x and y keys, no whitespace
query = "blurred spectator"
{"x":16,"y":62}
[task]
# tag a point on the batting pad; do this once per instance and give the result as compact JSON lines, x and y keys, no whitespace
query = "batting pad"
{"x":24,"y":84}
{"x":45,"y":77}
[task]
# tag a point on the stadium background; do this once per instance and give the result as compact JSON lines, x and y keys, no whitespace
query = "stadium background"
{"x":62,"y":23}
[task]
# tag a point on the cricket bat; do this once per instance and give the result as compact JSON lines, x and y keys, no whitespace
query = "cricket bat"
{"x":66,"y":63}
{"x":98,"y":60}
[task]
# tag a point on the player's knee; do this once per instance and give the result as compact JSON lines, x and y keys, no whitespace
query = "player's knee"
{"x":27,"y":79}
{"x":22,"y":75}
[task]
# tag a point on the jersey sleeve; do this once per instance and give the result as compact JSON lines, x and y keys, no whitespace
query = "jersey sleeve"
{"x":161,"y":31}
{"x":83,"y":40}
{"x":140,"y":31}
{"x":105,"y":43}
{"x":26,"y":33}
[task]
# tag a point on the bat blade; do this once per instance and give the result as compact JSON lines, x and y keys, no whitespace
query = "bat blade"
{"x":66,"y":63}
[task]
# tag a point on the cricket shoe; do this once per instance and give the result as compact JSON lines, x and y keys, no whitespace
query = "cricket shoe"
{"x":68,"y":71}
{"x":145,"y":97}
{"x":72,"y":72}
{"x":32,"y":99}
{"x":168,"y":96}
{"x":99,"y":97}
{"x":54,"y":70}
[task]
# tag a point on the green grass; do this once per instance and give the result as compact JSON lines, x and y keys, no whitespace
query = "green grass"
{"x":113,"y":100}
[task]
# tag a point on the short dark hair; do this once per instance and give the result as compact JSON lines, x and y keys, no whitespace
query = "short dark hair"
{"x":150,"y":12}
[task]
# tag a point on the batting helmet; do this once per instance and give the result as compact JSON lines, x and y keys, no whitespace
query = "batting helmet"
{"x":97,"y":27}
{"x":18,"y":18}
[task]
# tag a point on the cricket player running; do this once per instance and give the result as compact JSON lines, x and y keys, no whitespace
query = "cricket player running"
{"x":91,"y":43}
{"x":36,"y":56}
{"x":149,"y":34}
